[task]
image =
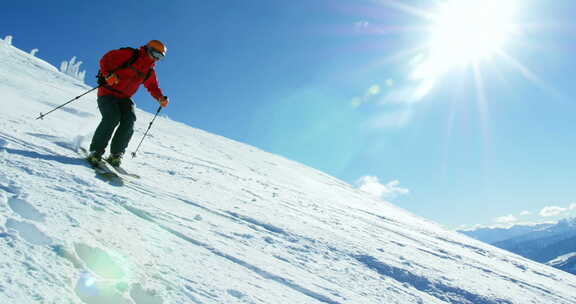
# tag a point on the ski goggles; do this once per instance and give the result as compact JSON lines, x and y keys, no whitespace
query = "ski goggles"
{"x":155,"y":54}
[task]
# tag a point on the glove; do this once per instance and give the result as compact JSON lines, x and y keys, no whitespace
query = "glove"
{"x":163,"y":101}
{"x":112,"y":79}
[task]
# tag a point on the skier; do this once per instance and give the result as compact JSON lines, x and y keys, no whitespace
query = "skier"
{"x":122,"y":71}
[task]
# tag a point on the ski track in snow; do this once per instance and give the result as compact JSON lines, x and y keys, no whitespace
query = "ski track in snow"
{"x":215,"y":221}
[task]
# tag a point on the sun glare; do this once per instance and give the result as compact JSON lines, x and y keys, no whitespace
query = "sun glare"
{"x":463,"y":32}
{"x":466,"y":31}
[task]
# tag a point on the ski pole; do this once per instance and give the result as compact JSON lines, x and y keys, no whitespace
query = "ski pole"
{"x":62,"y":105}
{"x":145,"y":133}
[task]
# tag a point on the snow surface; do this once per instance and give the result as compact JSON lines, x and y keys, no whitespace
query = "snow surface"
{"x":562,"y":259}
{"x":214,"y":221}
{"x":565,"y":262}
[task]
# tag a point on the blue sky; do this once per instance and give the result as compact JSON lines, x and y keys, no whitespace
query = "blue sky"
{"x":331,"y":84}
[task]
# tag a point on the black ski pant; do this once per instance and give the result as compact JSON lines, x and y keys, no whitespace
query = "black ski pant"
{"x":116,"y":112}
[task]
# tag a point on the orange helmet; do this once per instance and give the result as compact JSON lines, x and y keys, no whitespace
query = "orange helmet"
{"x":156,"y":48}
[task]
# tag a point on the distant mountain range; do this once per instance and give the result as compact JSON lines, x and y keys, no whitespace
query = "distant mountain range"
{"x":552,"y":244}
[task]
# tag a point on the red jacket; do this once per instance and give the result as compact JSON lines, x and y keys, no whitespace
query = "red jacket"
{"x":130,"y":80}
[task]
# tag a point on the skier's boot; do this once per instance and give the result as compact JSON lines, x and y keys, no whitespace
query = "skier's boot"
{"x":115,"y":159}
{"x":94,"y":158}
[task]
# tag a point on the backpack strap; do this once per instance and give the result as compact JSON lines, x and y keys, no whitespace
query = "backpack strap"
{"x":143,"y":75}
{"x":128,"y":64}
{"x":148,"y":74}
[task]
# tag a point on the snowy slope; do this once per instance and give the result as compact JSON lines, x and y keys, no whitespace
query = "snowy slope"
{"x":214,"y":221}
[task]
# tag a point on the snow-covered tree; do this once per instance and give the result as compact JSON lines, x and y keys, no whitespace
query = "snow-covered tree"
{"x":8,"y":40}
{"x":72,"y":68}
{"x":33,"y":52}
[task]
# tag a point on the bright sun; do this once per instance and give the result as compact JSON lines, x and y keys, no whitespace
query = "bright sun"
{"x":466,"y":31}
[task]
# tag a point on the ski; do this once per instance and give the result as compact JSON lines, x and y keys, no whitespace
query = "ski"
{"x":105,"y":170}
{"x":102,"y":169}
{"x":122,"y":171}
